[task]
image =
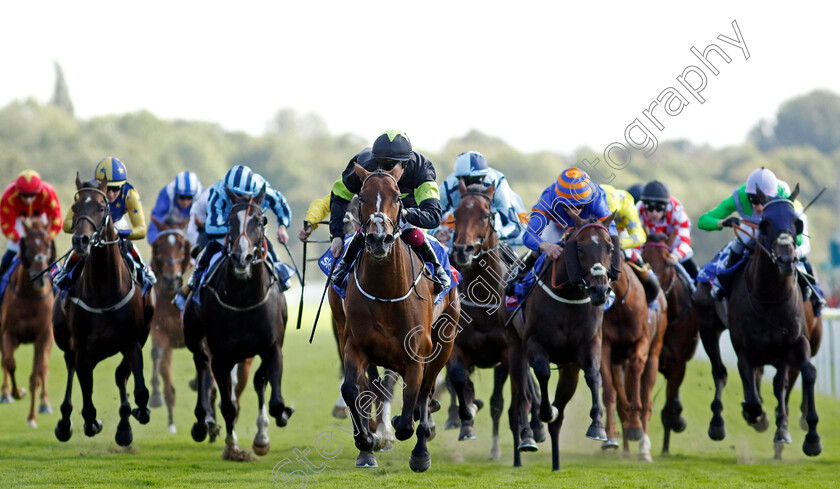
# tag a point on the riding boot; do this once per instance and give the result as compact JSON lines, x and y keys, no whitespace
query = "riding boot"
{"x":62,"y":278}
{"x":8,"y":257}
{"x":811,"y":289}
{"x":440,"y":278}
{"x":528,"y":261}
{"x":343,"y":267}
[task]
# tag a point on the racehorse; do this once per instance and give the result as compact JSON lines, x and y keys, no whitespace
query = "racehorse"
{"x":103,"y":313}
{"x":767,"y":322}
{"x":563,"y":321}
{"x":27,"y":314}
{"x":242,"y":313}
{"x":681,"y":336}
{"x":392,"y":321}
{"x":714,"y":317}
{"x":631,"y":342}
{"x":483,"y":341}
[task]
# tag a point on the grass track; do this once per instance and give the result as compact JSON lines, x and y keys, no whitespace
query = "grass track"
{"x":34,"y":458}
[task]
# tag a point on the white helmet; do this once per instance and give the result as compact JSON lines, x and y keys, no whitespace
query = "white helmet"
{"x":471,"y":164}
{"x":765,"y":180}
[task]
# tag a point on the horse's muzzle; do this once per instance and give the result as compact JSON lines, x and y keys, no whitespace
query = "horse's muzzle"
{"x":598,"y":294}
{"x":462,"y":254}
{"x":81,"y":244}
{"x":379,"y":244}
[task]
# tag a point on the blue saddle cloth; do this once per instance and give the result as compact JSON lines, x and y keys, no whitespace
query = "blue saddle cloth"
{"x":718,"y":266}
{"x":4,"y":280}
{"x":283,"y":272}
{"x":523,"y":286}
{"x":442,"y":254}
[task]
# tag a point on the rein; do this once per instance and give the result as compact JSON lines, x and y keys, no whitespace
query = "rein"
{"x":229,"y":242}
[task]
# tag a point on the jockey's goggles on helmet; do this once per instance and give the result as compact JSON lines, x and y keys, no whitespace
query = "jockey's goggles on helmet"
{"x":28,"y":196}
{"x":184,"y":197}
{"x":655,"y":206}
{"x":387,"y":164}
{"x":113,"y":188}
{"x":470,"y":180}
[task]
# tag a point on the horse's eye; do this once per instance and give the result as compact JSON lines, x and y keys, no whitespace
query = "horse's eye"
{"x":103,"y":208}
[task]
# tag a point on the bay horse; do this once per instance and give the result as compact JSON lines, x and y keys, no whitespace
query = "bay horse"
{"x":104,"y":313}
{"x":563,"y":320}
{"x":713,"y":318}
{"x":767,"y":322}
{"x":392,"y":321}
{"x":27,"y":315}
{"x":242,"y":313}
{"x":631,"y":340}
{"x":681,"y":336}
{"x":483,"y":340}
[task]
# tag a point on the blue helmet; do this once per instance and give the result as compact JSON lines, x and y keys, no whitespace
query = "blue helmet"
{"x":111,"y":169}
{"x":471,"y":164}
{"x":240,"y":179}
{"x":187,"y":183}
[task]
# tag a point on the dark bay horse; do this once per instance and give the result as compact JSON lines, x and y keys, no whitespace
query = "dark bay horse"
{"x":27,"y":315}
{"x":681,"y":336}
{"x":170,"y":261}
{"x":767,"y":322}
{"x":392,"y":321}
{"x":483,"y":340}
{"x":242,"y":313}
{"x":631,"y":342}
{"x":563,"y":325}
{"x":104,"y":313}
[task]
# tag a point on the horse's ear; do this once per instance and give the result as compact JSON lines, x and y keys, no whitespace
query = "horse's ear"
{"x":462,"y":187}
{"x":761,"y":196}
{"x":103,"y":185}
{"x":671,"y":237}
{"x":489,"y":191}
{"x":397,"y":172}
{"x":574,"y":214}
{"x":231,"y":195}
{"x":361,"y":172}
{"x":764,"y":227}
{"x":78,"y":181}
{"x":794,"y":194}
{"x":258,"y":200}
{"x":799,"y":226}
{"x":158,"y":224}
{"x":606,"y":222}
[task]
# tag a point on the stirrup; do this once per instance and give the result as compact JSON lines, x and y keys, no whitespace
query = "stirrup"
{"x":441,"y":279}
{"x":340,"y":273}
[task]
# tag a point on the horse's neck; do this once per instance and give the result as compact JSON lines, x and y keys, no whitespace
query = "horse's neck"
{"x":622,"y":285}
{"x":253,"y":285}
{"x":766,"y":281}
{"x":26,"y":286}
{"x":105,"y":263}
{"x":489,"y":268}
{"x":381,"y":277}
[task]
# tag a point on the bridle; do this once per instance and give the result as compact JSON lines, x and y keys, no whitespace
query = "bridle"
{"x":96,"y":239}
{"x":597,"y":270}
{"x":379,"y":218}
{"x":479,"y":246}
{"x":260,"y":249}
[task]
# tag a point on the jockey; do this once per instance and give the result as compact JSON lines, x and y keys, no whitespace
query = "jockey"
{"x":662,"y":213}
{"x":745,"y":201}
{"x":319,"y":210}
{"x":573,"y":191}
{"x":175,"y":199}
{"x":28,"y":196}
{"x":421,"y":201}
{"x":126,"y":213}
{"x":243,"y":181}
{"x":507,"y":207}
{"x":195,"y":228}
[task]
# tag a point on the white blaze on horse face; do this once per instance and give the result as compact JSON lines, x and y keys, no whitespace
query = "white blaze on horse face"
{"x":595,"y":239}
{"x":378,"y":202}
{"x":243,"y":240}
{"x":171,"y":240}
{"x":87,"y":200}
{"x":469,"y":205}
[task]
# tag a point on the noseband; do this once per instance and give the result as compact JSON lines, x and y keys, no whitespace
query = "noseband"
{"x":249,"y":206}
{"x":95,"y":237}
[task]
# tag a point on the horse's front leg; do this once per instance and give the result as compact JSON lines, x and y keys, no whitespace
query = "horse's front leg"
{"x":710,"y":330}
{"x":221,"y":372}
{"x":538,"y":360}
{"x":157,"y":399}
{"x":84,"y":371}
{"x":634,"y":429}
{"x":9,"y":344}
{"x":566,"y":387}
{"x":64,"y":427}
{"x":404,"y":422}
{"x":124,"y":436}
{"x":458,"y":371}
{"x":276,"y":404}
{"x":609,"y":396}
{"x":134,"y":355}
{"x":590,"y":361}
{"x":261,"y":444}
{"x":800,"y":355}
{"x":497,"y":406}
{"x":780,"y":387}
{"x":751,"y":406}
{"x":354,"y":377}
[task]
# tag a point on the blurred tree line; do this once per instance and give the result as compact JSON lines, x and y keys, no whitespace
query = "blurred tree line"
{"x":302,"y":159}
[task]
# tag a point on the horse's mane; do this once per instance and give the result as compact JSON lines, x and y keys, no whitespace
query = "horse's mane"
{"x":90,"y":184}
{"x":657,"y":238}
{"x":173,"y":219}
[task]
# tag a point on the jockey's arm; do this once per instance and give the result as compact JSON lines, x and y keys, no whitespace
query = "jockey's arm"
{"x":216,"y":224}
{"x":803,"y":241}
{"x":67,"y":227}
{"x":318,"y":210}
{"x":278,"y":204}
{"x":427,"y":214}
{"x":627,"y":218}
{"x":159,"y":212}
{"x":710,"y":221}
{"x":8,"y":215}
{"x":52,"y":210}
{"x":134,"y":210}
{"x":682,"y":242}
{"x":505,"y":205}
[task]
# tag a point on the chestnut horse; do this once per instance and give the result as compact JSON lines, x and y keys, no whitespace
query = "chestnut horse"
{"x":630,"y":346}
{"x":483,"y":340}
{"x":563,"y":321}
{"x":767,"y":323}
{"x":103,"y":313}
{"x":392,"y":321}
{"x":681,"y":336}
{"x":242,"y":314}
{"x":27,"y":314}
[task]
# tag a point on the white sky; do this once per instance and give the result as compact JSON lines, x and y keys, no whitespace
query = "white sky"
{"x":540,"y":75}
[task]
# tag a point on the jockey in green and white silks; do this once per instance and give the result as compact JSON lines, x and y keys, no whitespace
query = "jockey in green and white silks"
{"x":507,"y":207}
{"x":745,"y":201}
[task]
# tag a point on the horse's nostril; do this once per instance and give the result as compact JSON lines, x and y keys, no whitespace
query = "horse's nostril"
{"x":249,"y":257}
{"x":84,"y":241}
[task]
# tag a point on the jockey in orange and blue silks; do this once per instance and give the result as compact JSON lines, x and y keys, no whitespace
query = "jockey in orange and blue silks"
{"x":174,"y":201}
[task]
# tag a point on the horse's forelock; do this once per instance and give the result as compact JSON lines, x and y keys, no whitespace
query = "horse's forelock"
{"x":657,"y":237}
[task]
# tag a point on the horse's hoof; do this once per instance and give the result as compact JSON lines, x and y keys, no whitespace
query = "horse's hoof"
{"x":645,"y":457}
{"x":92,"y":429}
{"x":339,"y":412}
{"x":467,"y":432}
{"x":124,"y":436}
{"x":261,"y":449}
{"x":199,"y":431}
{"x":421,"y":463}
{"x":812,"y":446}
{"x":401,"y":434}
{"x":434,"y":406}
{"x":432,"y":433}
{"x":679,"y":425}
{"x":366,"y":460}
{"x":803,"y":423}
{"x":45,"y":408}
{"x":549,"y":416}
{"x":172,"y":429}
{"x":539,"y":431}
{"x":63,"y":429}
{"x":610,"y":444}
{"x":141,"y":415}
{"x":18,"y":394}
{"x":6,"y":399}
{"x":528,"y":444}
{"x":782,"y":436}
{"x":596,"y":432}
{"x":717,"y":429}
{"x":478,"y":404}
{"x":282,"y":418}
{"x":236,"y":454}
{"x":634,"y":434}
{"x":452,"y":423}
{"x":156,"y":400}
{"x":762,"y":423}
{"x":31,"y":423}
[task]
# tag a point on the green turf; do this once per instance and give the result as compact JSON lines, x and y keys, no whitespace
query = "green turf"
{"x":34,"y":458}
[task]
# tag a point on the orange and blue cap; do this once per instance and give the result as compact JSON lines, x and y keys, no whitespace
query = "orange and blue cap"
{"x":574,"y":187}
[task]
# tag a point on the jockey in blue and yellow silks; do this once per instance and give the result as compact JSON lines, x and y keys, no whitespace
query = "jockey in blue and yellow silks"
{"x":126,"y":213}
